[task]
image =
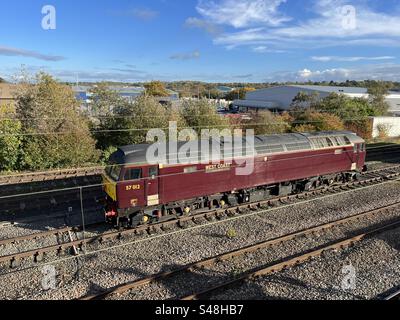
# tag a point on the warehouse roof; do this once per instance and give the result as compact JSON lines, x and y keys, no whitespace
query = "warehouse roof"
{"x":348,"y":90}
{"x":256,"y":104}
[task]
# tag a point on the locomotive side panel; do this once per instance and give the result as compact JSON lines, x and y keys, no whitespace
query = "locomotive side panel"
{"x":186,"y":182}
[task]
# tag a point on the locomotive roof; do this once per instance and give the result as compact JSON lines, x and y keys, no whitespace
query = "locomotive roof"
{"x":269,"y":144}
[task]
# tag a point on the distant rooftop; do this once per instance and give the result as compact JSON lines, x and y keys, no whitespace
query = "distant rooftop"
{"x":329,"y":89}
{"x":348,"y":90}
{"x":224,"y":89}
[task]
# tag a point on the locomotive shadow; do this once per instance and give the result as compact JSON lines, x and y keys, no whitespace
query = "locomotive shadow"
{"x":51,"y":210}
{"x":181,"y":285}
{"x":52,"y":219}
{"x":324,"y":293}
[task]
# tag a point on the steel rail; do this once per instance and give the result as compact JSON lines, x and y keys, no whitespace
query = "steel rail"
{"x":393,"y":297}
{"x":13,"y":259}
{"x":291,"y":262}
{"x":239,"y":252}
{"x":49,"y":175}
{"x":45,"y":234}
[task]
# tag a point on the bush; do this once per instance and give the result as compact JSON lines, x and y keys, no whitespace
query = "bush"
{"x":10,"y":139}
{"x":231,"y":234}
{"x":383,"y":130}
{"x":265,"y":122}
{"x":55,"y":134}
{"x":201,"y":114}
{"x":315,"y":121}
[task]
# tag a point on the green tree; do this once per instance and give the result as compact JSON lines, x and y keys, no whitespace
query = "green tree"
{"x":156,"y":89}
{"x":238,"y":94}
{"x":305,"y":100}
{"x":55,"y":134}
{"x":378,"y":90}
{"x":10,"y":138}
{"x":265,"y":122}
{"x":202,"y":114}
{"x":345,"y":107}
{"x":316,"y":121}
{"x":131,"y":121}
{"x":103,"y":100}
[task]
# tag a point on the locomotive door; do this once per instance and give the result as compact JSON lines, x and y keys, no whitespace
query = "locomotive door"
{"x":152,"y":187}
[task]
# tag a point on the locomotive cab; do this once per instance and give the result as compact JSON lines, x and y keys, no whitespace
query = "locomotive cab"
{"x":130,"y":186}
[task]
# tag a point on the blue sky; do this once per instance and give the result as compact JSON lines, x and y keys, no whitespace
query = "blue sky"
{"x":207,"y":40}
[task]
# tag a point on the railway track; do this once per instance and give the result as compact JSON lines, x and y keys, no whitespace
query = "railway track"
{"x":276,"y":267}
{"x":21,"y":204}
{"x":37,"y":254}
{"x":49,"y":175}
{"x":370,"y":178}
{"x":395,"y":296}
{"x":61,"y":174}
{"x":291,"y":262}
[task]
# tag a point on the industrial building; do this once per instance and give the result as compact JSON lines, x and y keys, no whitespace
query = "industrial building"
{"x":82,"y":93}
{"x":280,"y":98}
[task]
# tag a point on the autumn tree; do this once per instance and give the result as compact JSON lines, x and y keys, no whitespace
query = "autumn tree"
{"x":305,"y":100}
{"x":239,"y":94}
{"x":55,"y":135}
{"x":10,"y":138}
{"x":378,"y":90}
{"x":265,"y":122}
{"x":202,"y":114}
{"x":316,"y":121}
{"x":131,"y":121}
{"x":156,"y":89}
{"x":103,"y":100}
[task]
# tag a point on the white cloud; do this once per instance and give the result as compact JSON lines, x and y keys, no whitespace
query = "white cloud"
{"x":186,"y":56}
{"x":350,"y":59}
{"x":242,"y":13}
{"x":331,"y":24}
{"x":209,"y":27}
{"x":9,"y":51}
{"x":389,"y":72}
{"x":145,"y":14}
{"x":265,"y":49}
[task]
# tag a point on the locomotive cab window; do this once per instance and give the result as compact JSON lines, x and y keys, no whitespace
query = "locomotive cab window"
{"x":153,"y":172}
{"x":114,"y":172}
{"x":133,"y":174}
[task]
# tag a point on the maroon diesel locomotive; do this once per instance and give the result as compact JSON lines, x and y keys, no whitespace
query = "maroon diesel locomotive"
{"x":138,"y":192}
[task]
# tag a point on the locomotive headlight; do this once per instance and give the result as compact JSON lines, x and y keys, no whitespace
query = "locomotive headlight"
{"x":145,"y":219}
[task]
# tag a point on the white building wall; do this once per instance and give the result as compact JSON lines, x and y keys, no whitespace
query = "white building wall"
{"x":390,"y":124}
{"x":283,"y":96}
